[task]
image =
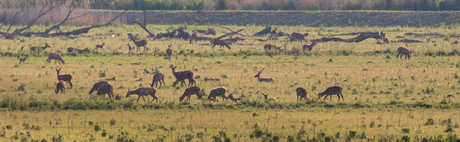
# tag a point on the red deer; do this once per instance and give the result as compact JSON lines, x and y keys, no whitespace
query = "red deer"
{"x":23,"y":59}
{"x":266,"y":97}
{"x":302,"y":93}
{"x":330,"y":91}
{"x":60,"y":86}
{"x":269,"y":47}
{"x":182,"y":75}
{"x":141,"y":92}
{"x":98,"y":85}
{"x":99,"y":46}
{"x":222,"y":43}
{"x":191,"y":91}
{"x":263,"y":79}
{"x":169,"y":51}
{"x":56,"y":57}
{"x":309,"y":46}
{"x":34,"y":48}
{"x":129,"y":48}
{"x":232,"y":98}
{"x":157,"y":79}
{"x":105,"y":89}
{"x":71,"y":49}
{"x":65,"y":77}
{"x":139,"y":44}
{"x":194,"y":37}
{"x":404,"y":51}
{"x":298,"y":36}
{"x":219,"y":91}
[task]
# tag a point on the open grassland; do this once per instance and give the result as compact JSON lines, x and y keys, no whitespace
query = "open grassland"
{"x":379,"y":88}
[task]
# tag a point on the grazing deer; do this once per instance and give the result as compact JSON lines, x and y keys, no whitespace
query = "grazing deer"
{"x":309,"y":46}
{"x":60,"y":86}
{"x":157,"y":79}
{"x":219,"y":91}
{"x":105,"y":89}
{"x":23,"y":59}
{"x":65,"y":77}
{"x":34,"y":48}
{"x":98,"y":85}
{"x":298,"y":36}
{"x":182,"y":75}
{"x":269,"y":47}
{"x":99,"y":46}
{"x":222,"y":43}
{"x":302,"y":93}
{"x":56,"y":57}
{"x":266,"y":97}
{"x":232,"y":98}
{"x":129,"y":48}
{"x":191,"y":91}
{"x":404,"y":51}
{"x":141,"y":92}
{"x":263,"y":79}
{"x":194,"y":37}
{"x":169,"y":51}
{"x":139,"y":44}
{"x":330,"y":91}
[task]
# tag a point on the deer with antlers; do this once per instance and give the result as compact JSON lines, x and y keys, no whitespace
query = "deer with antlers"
{"x":169,"y":51}
{"x":309,"y":46}
{"x":65,"y":77}
{"x":141,"y":92}
{"x":404,"y":51}
{"x":22,"y":60}
{"x":266,"y":97}
{"x":60,"y":86}
{"x":263,"y":79}
{"x":139,"y":44}
{"x":222,"y":43}
{"x":302,"y":93}
{"x":105,"y":89}
{"x":157,"y":79}
{"x":230,"y":96}
{"x":330,"y":91}
{"x":182,"y":75}
{"x":56,"y":57}
{"x":219,"y":91}
{"x":34,"y":48}
{"x":194,"y":37}
{"x":191,"y":91}
{"x":98,"y":85}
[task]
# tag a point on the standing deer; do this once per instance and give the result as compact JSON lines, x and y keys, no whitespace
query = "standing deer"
{"x":309,"y":46}
{"x":141,"y":92}
{"x":222,"y":43}
{"x":129,"y":48}
{"x":105,"y":89}
{"x":194,"y":37}
{"x":60,"y":86}
{"x":330,"y":91}
{"x":263,"y":79}
{"x":98,"y":85}
{"x":230,"y":96}
{"x":302,"y":93}
{"x":219,"y":91}
{"x":139,"y":44}
{"x":23,"y":59}
{"x":56,"y":57}
{"x":157,"y":79}
{"x":182,"y":75}
{"x":65,"y":77}
{"x":169,"y":51}
{"x":266,"y":97}
{"x":298,"y":36}
{"x":34,"y":48}
{"x":99,"y":46}
{"x":191,"y":91}
{"x":404,"y":51}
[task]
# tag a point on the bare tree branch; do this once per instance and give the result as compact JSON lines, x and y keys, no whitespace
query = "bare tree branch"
{"x":42,"y":13}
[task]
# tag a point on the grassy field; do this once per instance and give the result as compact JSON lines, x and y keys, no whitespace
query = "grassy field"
{"x":384,"y":96}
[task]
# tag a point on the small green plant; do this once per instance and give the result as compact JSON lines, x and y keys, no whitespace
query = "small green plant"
{"x":372,"y":124}
{"x":101,"y":73}
{"x":97,"y":127}
{"x":104,"y":133}
{"x":92,"y":66}
{"x":90,"y":123}
{"x":429,"y":122}
{"x":224,"y":76}
{"x":112,"y":122}
{"x":9,"y":127}
{"x":405,"y":138}
{"x":199,"y":135}
{"x":22,"y":87}
{"x":405,"y":130}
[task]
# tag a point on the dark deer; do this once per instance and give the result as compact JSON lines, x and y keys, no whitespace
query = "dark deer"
{"x":99,"y":46}
{"x":141,"y":92}
{"x":194,"y":37}
{"x":22,"y":60}
{"x":219,"y":91}
{"x":330,"y":91}
{"x":222,"y":43}
{"x":309,"y":46}
{"x":404,"y":51}
{"x":56,"y":57}
{"x":60,"y":86}
{"x":98,"y":85}
{"x":302,"y":93}
{"x":105,"y":89}
{"x":266,"y":97}
{"x":169,"y":51}
{"x":157,"y":79}
{"x":263,"y":79}
{"x":191,"y":91}
{"x":65,"y":77}
{"x":182,"y":75}
{"x":34,"y":48}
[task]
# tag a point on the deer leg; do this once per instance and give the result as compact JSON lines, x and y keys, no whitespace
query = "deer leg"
{"x":164,"y":84}
{"x":343,"y":99}
{"x":70,"y":84}
{"x":143,"y":98}
{"x":138,"y":98}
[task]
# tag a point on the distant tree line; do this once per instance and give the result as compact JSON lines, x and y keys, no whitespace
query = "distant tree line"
{"x":400,"y":5}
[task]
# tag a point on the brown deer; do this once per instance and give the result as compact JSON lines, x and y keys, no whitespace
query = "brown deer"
{"x":34,"y":48}
{"x":269,"y":47}
{"x":56,"y":57}
{"x":302,"y":93}
{"x":141,"y":92}
{"x":191,"y":91}
{"x":182,"y":75}
{"x":157,"y":79}
{"x":404,"y":51}
{"x":263,"y":79}
{"x":100,"y":46}
{"x":169,"y":51}
{"x":60,"y":86}
{"x":194,"y":37}
{"x":23,"y":59}
{"x":266,"y":97}
{"x":129,"y":48}
{"x":219,"y":91}
{"x":222,"y":43}
{"x":98,"y":85}
{"x":105,"y":89}
{"x":139,"y":44}
{"x":330,"y":91}
{"x":65,"y":77}
{"x":309,"y":46}
{"x":298,"y":36}
{"x":230,"y":96}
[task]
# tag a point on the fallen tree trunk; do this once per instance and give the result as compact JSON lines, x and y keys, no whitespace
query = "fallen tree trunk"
{"x":362,"y":36}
